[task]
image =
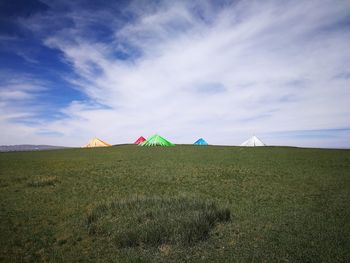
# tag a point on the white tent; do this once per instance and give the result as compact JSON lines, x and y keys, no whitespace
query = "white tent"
{"x":252,"y":142}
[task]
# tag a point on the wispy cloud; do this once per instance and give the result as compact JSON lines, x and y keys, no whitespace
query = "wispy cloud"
{"x":222,"y":72}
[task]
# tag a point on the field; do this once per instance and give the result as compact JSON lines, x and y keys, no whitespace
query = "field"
{"x":175,"y":204}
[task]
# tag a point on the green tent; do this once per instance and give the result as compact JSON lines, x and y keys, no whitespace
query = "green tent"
{"x":156,"y":140}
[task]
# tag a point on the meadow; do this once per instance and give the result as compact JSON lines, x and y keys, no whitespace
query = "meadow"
{"x":175,"y":204}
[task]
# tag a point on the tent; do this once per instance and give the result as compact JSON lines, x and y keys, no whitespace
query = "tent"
{"x":140,"y":140}
{"x":95,"y":142}
{"x":252,"y":142}
{"x":201,"y":141}
{"x":156,"y":140}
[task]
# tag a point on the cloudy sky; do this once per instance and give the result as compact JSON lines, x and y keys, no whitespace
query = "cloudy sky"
{"x":221,"y":70}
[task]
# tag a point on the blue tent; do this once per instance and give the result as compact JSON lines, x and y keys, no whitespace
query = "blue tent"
{"x":201,"y":141}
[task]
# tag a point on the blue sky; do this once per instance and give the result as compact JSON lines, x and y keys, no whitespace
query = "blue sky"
{"x":221,"y":70}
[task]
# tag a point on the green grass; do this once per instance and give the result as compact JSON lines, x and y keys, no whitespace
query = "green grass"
{"x":176,"y":204}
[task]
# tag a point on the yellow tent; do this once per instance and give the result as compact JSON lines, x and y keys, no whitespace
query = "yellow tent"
{"x":95,"y":142}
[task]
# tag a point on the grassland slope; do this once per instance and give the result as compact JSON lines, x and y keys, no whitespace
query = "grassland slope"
{"x":213,"y":204}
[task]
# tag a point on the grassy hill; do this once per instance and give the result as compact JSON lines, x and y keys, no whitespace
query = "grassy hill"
{"x":175,"y":204}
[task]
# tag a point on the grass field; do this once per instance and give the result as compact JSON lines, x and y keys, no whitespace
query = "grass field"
{"x":175,"y":204}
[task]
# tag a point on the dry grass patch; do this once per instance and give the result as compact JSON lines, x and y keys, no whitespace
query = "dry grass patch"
{"x":155,"y":221}
{"x":44,"y":181}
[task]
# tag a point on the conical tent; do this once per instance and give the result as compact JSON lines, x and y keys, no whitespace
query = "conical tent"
{"x":95,"y":142}
{"x":253,"y":142}
{"x":140,"y":140}
{"x":156,"y":140}
{"x":201,"y":141}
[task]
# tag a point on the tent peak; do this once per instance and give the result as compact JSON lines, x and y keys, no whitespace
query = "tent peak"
{"x":141,"y":139}
{"x":200,"y":141}
{"x":253,"y":142}
{"x":96,"y":142}
{"x":156,"y":140}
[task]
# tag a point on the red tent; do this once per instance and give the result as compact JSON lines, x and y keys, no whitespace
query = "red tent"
{"x":139,"y":140}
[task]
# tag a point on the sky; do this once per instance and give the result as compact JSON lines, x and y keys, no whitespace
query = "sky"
{"x":220,"y":70}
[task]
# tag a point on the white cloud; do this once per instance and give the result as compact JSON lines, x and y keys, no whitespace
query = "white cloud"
{"x":16,"y":92}
{"x":276,"y":66}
